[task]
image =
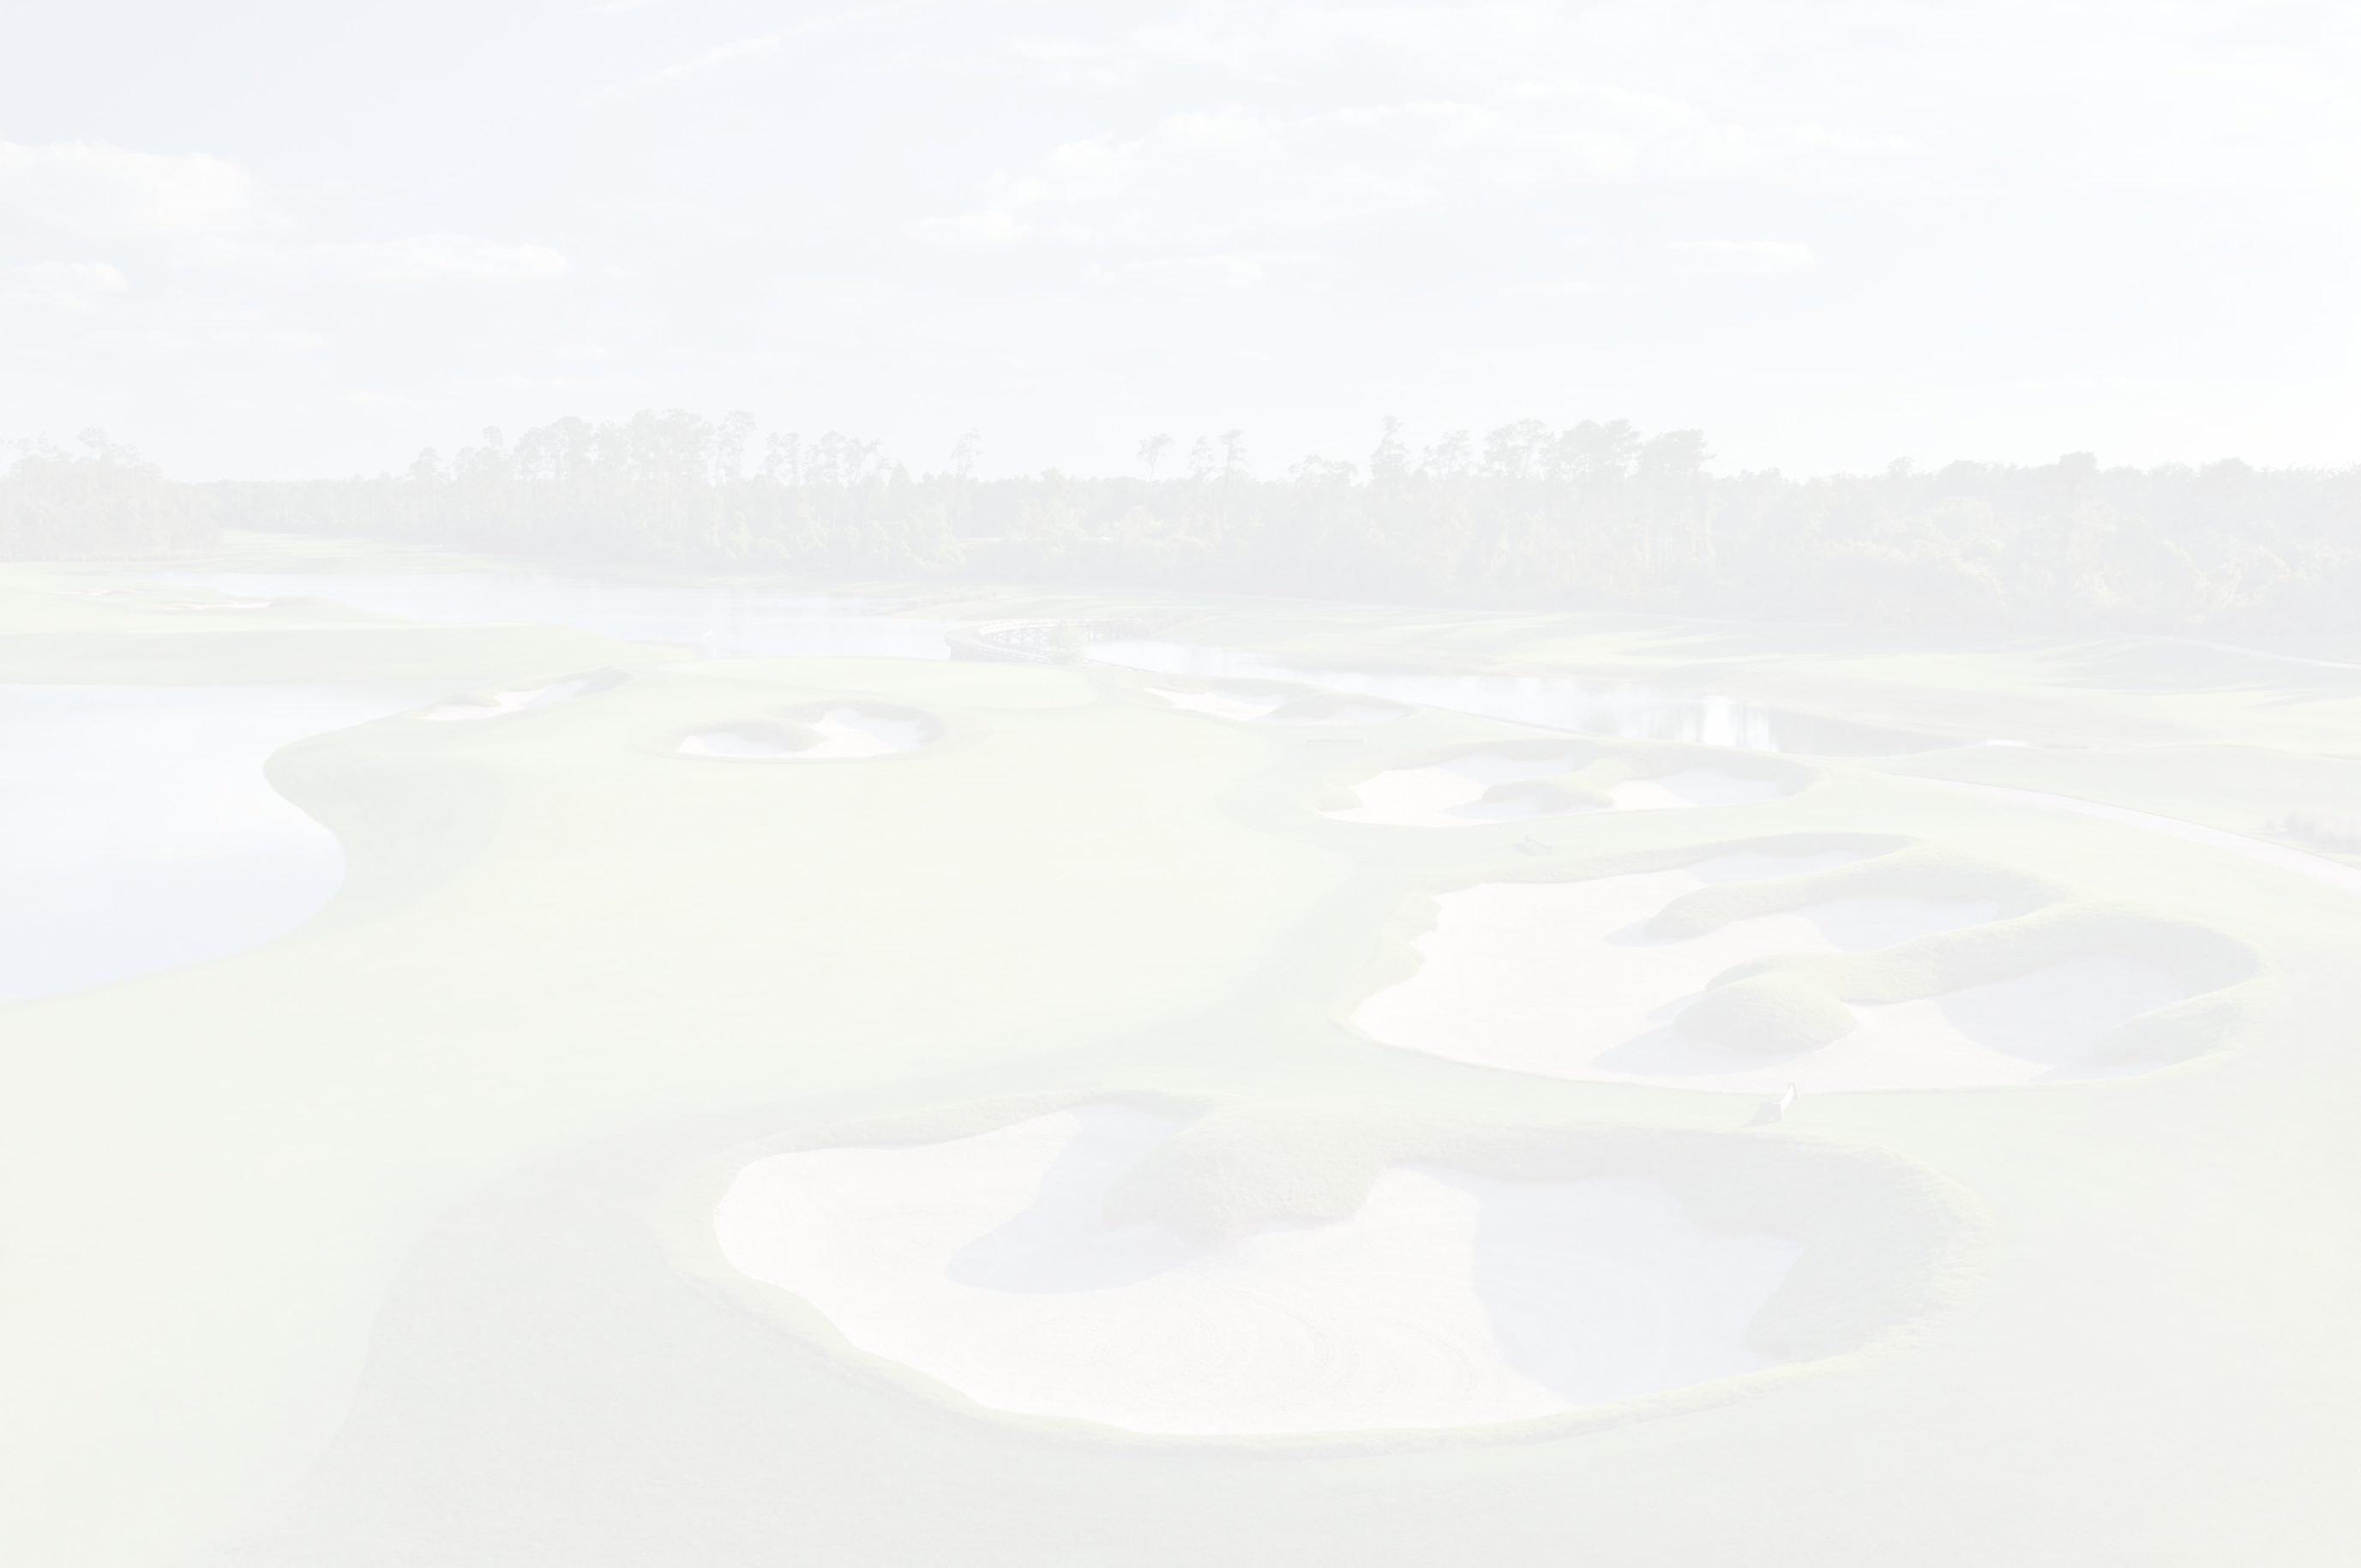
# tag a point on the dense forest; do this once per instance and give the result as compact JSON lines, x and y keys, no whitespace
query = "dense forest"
{"x":101,"y":503}
{"x":1595,"y":516}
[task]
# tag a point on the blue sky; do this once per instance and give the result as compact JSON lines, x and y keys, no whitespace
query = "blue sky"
{"x":282,"y":240}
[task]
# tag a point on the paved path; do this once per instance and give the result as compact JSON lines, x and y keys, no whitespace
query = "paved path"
{"x":2319,"y":868}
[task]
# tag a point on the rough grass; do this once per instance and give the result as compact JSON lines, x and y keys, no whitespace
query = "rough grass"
{"x":791,"y":728}
{"x":1302,"y":699}
{"x":1889,"y":1247}
{"x":1599,"y":764}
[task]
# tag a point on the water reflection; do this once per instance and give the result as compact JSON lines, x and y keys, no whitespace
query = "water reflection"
{"x":717,"y":622}
{"x":138,"y":832}
{"x":1597,"y":709}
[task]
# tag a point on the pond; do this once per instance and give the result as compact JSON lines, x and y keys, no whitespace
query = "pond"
{"x":1601,"y":710}
{"x":138,"y":832}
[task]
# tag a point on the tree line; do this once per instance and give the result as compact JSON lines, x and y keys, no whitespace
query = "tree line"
{"x":100,"y":503}
{"x":1595,"y":516}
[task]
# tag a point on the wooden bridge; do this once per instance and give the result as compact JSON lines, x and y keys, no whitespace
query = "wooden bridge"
{"x":1028,"y":640}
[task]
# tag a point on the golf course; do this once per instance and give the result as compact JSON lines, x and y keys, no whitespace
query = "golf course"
{"x":507,"y":1071}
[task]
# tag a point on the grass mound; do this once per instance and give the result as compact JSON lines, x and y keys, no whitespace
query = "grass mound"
{"x":1302,"y":699}
{"x":1889,"y":1247}
{"x":1793,"y":1003}
{"x":1598,"y":765}
{"x":791,"y":728}
{"x":603,"y":678}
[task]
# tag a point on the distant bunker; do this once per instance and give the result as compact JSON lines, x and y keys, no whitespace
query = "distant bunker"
{"x":1563,"y":980}
{"x":1453,"y":792}
{"x":1445,"y":1300}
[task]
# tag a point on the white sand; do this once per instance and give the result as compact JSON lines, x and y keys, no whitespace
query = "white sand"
{"x":1450,"y":795}
{"x":1561,"y":978}
{"x":1258,"y":708}
{"x":843,"y":731}
{"x":510,"y":702}
{"x":1447,"y":1300}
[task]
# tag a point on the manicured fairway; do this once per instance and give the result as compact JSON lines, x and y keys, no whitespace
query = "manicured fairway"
{"x":915,"y":1112}
{"x":2158,"y":1369}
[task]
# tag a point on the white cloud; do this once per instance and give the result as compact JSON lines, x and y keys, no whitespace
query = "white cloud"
{"x":753,"y":47}
{"x":1235,"y":271}
{"x":969,"y":232}
{"x":392,"y":402}
{"x":111,"y":191}
{"x":1207,"y":174}
{"x":822,"y":310}
{"x":423,"y":255}
{"x":1739,"y":255}
{"x":121,"y":341}
{"x":59,"y":285}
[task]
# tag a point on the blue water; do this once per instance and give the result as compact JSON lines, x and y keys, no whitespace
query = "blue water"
{"x":138,"y":832}
{"x":715,"y":622}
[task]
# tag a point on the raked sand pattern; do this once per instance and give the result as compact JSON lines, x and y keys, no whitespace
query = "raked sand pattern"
{"x":1448,"y":1300}
{"x":842,"y":734}
{"x":1451,"y":794}
{"x":1262,"y":709}
{"x":1563,"y":979}
{"x":510,"y":702}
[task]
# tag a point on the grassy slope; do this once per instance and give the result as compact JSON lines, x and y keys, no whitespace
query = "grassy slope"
{"x":75,"y":627}
{"x":2161,"y":1368}
{"x":632,"y":937}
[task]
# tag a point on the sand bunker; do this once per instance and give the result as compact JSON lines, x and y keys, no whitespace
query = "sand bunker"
{"x":1256,"y":701}
{"x":1451,"y":794}
{"x":1448,"y":1300}
{"x":1563,"y":979}
{"x":510,"y":702}
{"x":816,"y":732}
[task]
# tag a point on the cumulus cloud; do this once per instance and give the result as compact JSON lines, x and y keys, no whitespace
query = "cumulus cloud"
{"x":61,"y":285}
{"x":121,"y":341}
{"x":1738,"y":254}
{"x":752,"y":51}
{"x":1228,"y":270}
{"x":392,"y":402}
{"x":426,"y":255}
{"x":972,"y":230}
{"x":1209,"y":174}
{"x":114,"y":192}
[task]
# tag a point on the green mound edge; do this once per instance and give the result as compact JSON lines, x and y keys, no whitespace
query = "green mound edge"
{"x":1891,"y":1250}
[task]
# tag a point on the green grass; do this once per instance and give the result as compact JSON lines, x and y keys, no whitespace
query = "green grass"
{"x":82,"y":627}
{"x":2067,"y":1324}
{"x":1892,"y":1251}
